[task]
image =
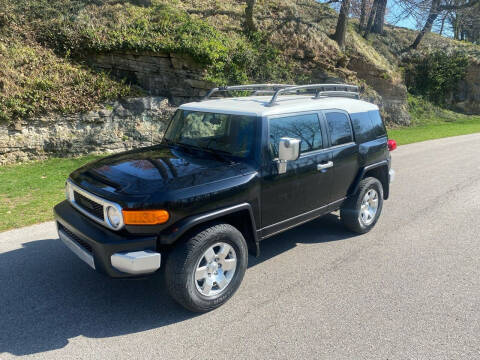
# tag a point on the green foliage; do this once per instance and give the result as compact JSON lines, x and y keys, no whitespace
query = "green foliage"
{"x":436,"y":75}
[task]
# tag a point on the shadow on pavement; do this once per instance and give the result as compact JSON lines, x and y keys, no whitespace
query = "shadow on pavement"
{"x":48,"y":296}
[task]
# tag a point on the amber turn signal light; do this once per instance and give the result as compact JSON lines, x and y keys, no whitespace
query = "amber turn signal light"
{"x":145,"y":217}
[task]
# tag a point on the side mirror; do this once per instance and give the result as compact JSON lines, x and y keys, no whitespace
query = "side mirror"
{"x":288,"y":150}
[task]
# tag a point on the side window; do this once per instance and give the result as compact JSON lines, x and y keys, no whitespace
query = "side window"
{"x":377,"y":123}
{"x":304,"y":127}
{"x":339,"y":127}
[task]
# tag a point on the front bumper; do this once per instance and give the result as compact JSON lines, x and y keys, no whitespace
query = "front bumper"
{"x":115,"y":254}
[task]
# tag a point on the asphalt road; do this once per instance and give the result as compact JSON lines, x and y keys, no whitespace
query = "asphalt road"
{"x":410,"y":289}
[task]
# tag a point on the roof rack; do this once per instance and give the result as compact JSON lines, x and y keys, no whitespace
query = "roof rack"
{"x":320,"y":90}
{"x":251,"y":87}
{"x":343,"y":90}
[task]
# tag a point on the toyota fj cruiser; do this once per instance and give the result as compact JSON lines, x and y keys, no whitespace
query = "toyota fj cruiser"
{"x":229,"y":173}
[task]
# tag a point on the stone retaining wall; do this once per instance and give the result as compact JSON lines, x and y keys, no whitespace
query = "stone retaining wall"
{"x":116,"y":126}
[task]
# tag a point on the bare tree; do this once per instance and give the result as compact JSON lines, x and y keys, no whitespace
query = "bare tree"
{"x":250,"y":25}
{"x":465,"y":23}
{"x":435,"y":9}
{"x":442,"y":24}
{"x":341,"y":30}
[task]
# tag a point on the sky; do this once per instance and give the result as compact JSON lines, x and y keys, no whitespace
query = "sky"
{"x":395,"y":11}
{"x":394,"y":17}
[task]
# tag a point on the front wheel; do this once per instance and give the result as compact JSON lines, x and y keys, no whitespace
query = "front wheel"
{"x":204,"y":271}
{"x":360,"y":212}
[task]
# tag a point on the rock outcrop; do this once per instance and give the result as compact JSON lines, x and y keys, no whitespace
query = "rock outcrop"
{"x":392,"y":98}
{"x":175,"y":76}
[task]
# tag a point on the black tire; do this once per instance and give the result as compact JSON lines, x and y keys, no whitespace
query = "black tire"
{"x":350,"y":210}
{"x":182,"y":262}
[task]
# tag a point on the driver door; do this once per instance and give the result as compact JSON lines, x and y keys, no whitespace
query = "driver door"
{"x":304,"y":187}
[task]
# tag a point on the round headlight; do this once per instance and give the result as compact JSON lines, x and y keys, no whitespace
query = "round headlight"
{"x":114,"y":216}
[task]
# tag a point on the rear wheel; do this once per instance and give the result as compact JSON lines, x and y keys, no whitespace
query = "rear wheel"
{"x":203,"y":272}
{"x":360,"y":212}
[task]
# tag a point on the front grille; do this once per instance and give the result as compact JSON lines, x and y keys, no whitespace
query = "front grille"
{"x":89,"y":205}
{"x":75,"y":238}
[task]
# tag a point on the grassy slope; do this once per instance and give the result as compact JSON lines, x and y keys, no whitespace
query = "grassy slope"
{"x":36,"y":81}
{"x":42,"y":43}
{"x":291,"y":45}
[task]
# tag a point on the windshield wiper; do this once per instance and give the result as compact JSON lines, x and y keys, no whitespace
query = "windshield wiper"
{"x":169,"y":142}
{"x":219,"y":154}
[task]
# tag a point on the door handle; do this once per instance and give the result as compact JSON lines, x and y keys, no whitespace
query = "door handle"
{"x":325,"y":165}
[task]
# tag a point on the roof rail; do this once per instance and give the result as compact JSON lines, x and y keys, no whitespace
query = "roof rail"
{"x":320,"y":90}
{"x":343,"y":90}
{"x":250,"y":87}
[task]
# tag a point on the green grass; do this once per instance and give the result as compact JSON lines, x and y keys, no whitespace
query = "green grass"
{"x":29,"y":191}
{"x":432,"y":122}
{"x":405,"y":136}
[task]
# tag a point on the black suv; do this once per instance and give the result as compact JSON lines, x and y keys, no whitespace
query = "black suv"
{"x":229,"y":173}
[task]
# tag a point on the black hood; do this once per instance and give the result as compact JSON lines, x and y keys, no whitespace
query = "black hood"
{"x":159,"y":168}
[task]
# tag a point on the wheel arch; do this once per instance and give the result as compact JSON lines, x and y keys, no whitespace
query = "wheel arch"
{"x":378,"y":171}
{"x":240,"y":216}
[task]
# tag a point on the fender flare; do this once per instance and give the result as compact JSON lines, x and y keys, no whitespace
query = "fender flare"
{"x":361,"y":174}
{"x":181,"y":227}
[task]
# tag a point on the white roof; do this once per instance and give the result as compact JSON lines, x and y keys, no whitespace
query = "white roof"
{"x":258,"y":105}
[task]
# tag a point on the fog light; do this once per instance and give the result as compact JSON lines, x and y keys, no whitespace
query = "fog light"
{"x":114,"y":217}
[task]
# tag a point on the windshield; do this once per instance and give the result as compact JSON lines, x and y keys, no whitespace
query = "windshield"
{"x":223,"y":133}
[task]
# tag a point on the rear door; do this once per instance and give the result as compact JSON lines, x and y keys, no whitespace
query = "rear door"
{"x":344,"y":152}
{"x":303,"y":187}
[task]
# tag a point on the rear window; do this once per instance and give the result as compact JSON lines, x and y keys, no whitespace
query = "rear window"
{"x":339,"y":128}
{"x":362,"y":125}
{"x":367,"y":126}
{"x":377,"y":123}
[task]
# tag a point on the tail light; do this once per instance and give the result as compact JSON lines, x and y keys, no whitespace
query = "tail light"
{"x":392,"y":145}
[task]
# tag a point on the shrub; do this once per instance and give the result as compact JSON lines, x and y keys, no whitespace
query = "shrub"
{"x":436,"y":75}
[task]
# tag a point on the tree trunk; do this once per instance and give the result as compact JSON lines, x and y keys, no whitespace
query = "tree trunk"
{"x":370,"y":18}
{"x":432,"y":16}
{"x":443,"y":23}
{"x":379,"y":17}
{"x":363,"y":14}
{"x":249,"y":20}
{"x":455,"y":27}
{"x":342,"y":23}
